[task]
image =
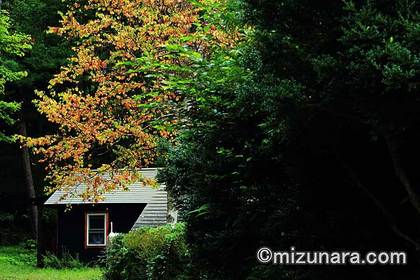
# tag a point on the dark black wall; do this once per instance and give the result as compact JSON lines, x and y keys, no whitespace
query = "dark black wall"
{"x":71,"y":226}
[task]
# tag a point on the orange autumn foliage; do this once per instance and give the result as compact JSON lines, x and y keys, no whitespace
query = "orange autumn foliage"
{"x":105,"y":112}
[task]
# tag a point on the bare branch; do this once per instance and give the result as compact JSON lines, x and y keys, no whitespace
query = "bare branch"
{"x":413,"y":197}
{"x":387,"y":215}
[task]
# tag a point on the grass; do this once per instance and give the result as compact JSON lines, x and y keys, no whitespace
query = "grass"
{"x":17,"y":263}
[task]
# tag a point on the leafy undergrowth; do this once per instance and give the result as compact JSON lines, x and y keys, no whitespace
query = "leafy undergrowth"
{"x":17,"y":263}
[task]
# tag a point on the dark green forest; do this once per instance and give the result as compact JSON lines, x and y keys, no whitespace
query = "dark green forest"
{"x":276,"y":123}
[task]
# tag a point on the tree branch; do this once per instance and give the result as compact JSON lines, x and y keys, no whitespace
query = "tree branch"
{"x":413,"y":197}
{"x":386,"y":214}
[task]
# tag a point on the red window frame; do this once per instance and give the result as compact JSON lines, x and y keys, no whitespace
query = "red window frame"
{"x":86,"y":232}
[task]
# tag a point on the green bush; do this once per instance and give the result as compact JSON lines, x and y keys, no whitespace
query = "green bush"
{"x":149,"y":253}
{"x":66,"y":261}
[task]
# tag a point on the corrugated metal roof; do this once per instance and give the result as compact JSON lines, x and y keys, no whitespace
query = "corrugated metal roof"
{"x":136,"y":193}
{"x":155,"y":213}
{"x":156,"y":200}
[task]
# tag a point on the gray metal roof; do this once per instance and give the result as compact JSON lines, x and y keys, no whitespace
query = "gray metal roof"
{"x":136,"y":193}
{"x":156,"y":199}
{"x":156,"y":211}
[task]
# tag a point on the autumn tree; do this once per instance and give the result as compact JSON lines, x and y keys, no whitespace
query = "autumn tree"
{"x":111,"y":103}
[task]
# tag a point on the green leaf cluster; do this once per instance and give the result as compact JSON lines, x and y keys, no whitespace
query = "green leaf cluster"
{"x":12,"y":46}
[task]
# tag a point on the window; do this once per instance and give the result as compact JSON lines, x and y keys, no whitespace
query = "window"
{"x":96,"y":229}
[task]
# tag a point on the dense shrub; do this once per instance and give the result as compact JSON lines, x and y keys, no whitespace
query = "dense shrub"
{"x":282,"y":157}
{"x":14,"y":223}
{"x":148,"y":253}
{"x":66,"y":261}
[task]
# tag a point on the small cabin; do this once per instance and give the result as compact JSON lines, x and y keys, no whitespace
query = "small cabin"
{"x":84,"y":228}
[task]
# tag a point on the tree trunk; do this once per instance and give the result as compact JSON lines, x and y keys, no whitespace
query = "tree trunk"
{"x":29,"y":183}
